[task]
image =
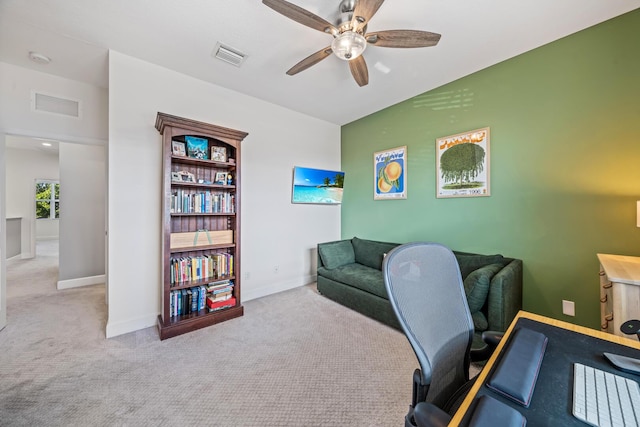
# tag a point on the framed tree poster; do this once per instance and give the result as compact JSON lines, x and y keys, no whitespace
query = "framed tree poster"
{"x":462,"y":164}
{"x":390,"y":174}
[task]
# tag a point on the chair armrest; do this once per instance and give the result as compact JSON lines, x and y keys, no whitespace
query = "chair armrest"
{"x":429,"y":415}
{"x":491,"y":339}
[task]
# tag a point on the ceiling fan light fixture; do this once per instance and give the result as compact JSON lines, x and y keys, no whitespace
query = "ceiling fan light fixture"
{"x":348,"y":45}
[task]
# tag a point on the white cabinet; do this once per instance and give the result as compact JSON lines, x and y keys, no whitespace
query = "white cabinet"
{"x":619,"y":292}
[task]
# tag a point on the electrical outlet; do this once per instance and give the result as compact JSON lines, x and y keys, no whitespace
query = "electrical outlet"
{"x":568,"y":308}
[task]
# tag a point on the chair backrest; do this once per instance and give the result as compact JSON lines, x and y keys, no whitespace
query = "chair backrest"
{"x":426,"y":292}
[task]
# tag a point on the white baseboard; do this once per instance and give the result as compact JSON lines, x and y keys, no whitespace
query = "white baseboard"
{"x":18,"y":256}
{"x":120,"y":328}
{"x":81,"y":281}
{"x":249,"y":294}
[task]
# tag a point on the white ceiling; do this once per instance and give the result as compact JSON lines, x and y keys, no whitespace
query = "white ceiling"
{"x":181,"y":35}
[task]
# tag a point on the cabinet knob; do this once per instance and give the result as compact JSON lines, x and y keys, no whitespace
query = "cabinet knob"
{"x":607,"y":318}
{"x":607,"y":285}
{"x":603,"y":299}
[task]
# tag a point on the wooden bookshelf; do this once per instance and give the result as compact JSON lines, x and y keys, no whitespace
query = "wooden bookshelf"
{"x":201,"y":206}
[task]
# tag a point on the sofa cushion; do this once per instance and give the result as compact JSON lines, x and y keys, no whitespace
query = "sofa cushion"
{"x":469,"y":263}
{"x":358,"y":276}
{"x":371,"y":253}
{"x":476,"y":285}
{"x":480,"y":322}
{"x":336,"y":254}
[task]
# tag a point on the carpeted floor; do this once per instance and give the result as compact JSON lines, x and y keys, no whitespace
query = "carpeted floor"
{"x":295,"y":358}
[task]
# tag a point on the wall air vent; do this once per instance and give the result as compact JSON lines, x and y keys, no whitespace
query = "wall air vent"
{"x":228,"y":55}
{"x":53,"y":104}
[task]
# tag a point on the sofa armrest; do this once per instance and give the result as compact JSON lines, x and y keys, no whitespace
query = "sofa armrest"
{"x":505,"y":296}
{"x":319,"y":245}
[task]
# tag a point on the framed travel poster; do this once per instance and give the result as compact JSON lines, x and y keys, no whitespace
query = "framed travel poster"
{"x":317,"y":186}
{"x":390,"y":174}
{"x":462,"y":164}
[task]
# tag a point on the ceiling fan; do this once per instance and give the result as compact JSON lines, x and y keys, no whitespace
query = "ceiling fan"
{"x":350,"y":34}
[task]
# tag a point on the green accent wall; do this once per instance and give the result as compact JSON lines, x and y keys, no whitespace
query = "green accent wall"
{"x":564,"y":164}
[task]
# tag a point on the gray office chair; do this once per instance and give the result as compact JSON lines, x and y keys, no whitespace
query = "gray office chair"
{"x":425,"y":289}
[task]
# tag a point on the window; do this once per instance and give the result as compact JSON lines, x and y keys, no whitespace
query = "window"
{"x":47,"y":196}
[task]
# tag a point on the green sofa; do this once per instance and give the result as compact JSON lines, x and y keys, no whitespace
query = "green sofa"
{"x":349,"y":272}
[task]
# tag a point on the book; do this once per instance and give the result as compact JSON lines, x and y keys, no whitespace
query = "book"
{"x":221,"y":296}
{"x":195,"y":298}
{"x":212,"y":305}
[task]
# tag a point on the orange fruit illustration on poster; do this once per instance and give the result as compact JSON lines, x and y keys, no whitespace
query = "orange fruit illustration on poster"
{"x":388,"y":176}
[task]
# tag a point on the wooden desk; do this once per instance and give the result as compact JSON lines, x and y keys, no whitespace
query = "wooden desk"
{"x":482,"y":377}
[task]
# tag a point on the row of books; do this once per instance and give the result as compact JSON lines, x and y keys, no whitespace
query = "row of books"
{"x":214,"y":296}
{"x":185,"y":201}
{"x":192,"y":268}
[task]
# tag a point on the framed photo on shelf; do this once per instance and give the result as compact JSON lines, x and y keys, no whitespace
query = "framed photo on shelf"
{"x":219,"y":154}
{"x":221,"y":178}
{"x":197,"y":147}
{"x":177,"y":148}
{"x":462,"y":164}
{"x":183,"y":176}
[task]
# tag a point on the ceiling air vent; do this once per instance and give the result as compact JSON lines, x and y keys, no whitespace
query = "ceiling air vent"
{"x":229,"y":55}
{"x":55,"y":105}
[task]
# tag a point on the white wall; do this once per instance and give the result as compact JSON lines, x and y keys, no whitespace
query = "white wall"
{"x":274,"y":232}
{"x":23,"y":168}
{"x":17,"y":118}
{"x":3,"y":254}
{"x":82,"y":218}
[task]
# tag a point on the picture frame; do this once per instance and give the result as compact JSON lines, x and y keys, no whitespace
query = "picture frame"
{"x":390,"y":174}
{"x":221,"y":178}
{"x":317,"y":186}
{"x":197,"y":148}
{"x":463,"y":165}
{"x":183,"y":176}
{"x":178,"y":148}
{"x":219,"y":154}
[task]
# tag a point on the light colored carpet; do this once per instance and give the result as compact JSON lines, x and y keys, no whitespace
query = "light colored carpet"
{"x":294,"y":358}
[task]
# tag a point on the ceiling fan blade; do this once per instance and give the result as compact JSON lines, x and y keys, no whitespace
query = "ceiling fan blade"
{"x":403,"y":38}
{"x":359,"y":70}
{"x":301,"y":15}
{"x":310,"y":60}
{"x":364,"y":11}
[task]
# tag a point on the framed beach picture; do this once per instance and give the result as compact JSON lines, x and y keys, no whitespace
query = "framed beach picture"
{"x":197,"y":147}
{"x":390,"y":174}
{"x":462,"y":164}
{"x":317,"y":186}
